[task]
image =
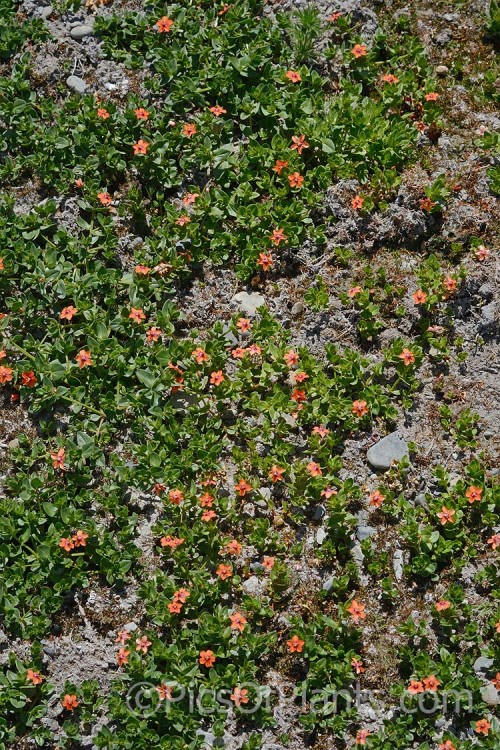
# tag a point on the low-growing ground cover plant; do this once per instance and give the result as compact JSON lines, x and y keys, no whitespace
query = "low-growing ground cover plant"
{"x":194,"y":549}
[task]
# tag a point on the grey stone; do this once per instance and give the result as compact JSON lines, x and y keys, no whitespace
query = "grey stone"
{"x":229,"y":335}
{"x":131,"y":626}
{"x":319,"y":512}
{"x":389,"y":449}
{"x":256,"y":567}
{"x":210,"y":739}
{"x":46,"y":11}
{"x":488,"y":314}
{"x":421,"y":500}
{"x":253,"y":586}
{"x":442,"y":70}
{"x":328,"y":583}
{"x":321,"y":535}
{"x":365,"y":532}
{"x":482,"y":664}
{"x":79,"y":32}
{"x":397,"y":564}
{"x":249,"y":510}
{"x":485,"y":291}
{"x":357,"y":554}
{"x":297,"y":309}
{"x":249,"y":303}
{"x":76,"y":84}
{"x":490,"y":694}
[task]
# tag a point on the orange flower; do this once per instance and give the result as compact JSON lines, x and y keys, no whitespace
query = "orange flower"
{"x":356,"y":610}
{"x":175,"y":608}
{"x":446,"y":515}
{"x":280,"y":166}
{"x":301,"y":376}
{"x":321,"y":430}
{"x":238,"y":622}
{"x":277,"y":236}
{"x":83,"y":358}
{"x":233,"y":547}
{"x":217,"y":377}
{"x":359,"y":50}
{"x":142,"y":644}
{"x":80,"y":538}
{"x":207,"y":658}
{"x":218,"y":111}
{"x":357,"y":665}
{"x":182,"y":220}
{"x":224,"y":9}
{"x":390,"y":78}
{"x":122,"y":637}
{"x":474,"y":494}
{"x":359,"y":408}
{"x":334,"y":17}
{"x":200,"y":355}
{"x":357,"y":202}
{"x":239,"y":696}
{"x":415,"y":687}
{"x":266,"y":261}
{"x":450,"y":284}
{"x":481,"y":252}
{"x":141,"y":113}
{"x":69,"y":702}
{"x":483,"y":726}
{"x":122,"y":656}
{"x":293,"y":76}
{"x":354,"y":291}
{"x":224,"y":571}
{"x":407,"y":356}
{"x":102,"y":113}
{"x":254,"y":350}
{"x":105,"y":198}
{"x":190,"y":198}
{"x":291,"y":357}
{"x":28,"y":379}
{"x":137,"y":314}
{"x":431,"y":96}
{"x":295,"y":179}
{"x":165,"y":692}
{"x":447,"y":745}
{"x":182,"y":595}
{"x":206,"y":500}
{"x":34,"y":677}
{"x":295,"y":645}
{"x":419,"y":297}
{"x":3,"y":353}
{"x":494,"y":541}
{"x":276,"y":474}
{"x":189,"y":129}
{"x":431,"y":683}
{"x":58,"y":459}
{"x":268,"y":562}
{"x":426,"y":204}
{"x":141,"y":270}
{"x":314,"y":469}
{"x":497,"y":626}
{"x":376,"y":499}
{"x":243,"y":324}
{"x":496,"y":681}
{"x":299,"y":143}
{"x":298,"y":396}
{"x":176,"y":497}
{"x":170,"y":541}
{"x":153,"y":334}
{"x":442,"y":604}
{"x":208,"y":515}
{"x":78,"y":183}
{"x":243,"y":487}
{"x":361,"y":736}
{"x":66,"y":544}
{"x":164,"y":24}
{"x":5,"y":374}
{"x":68,"y":312}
